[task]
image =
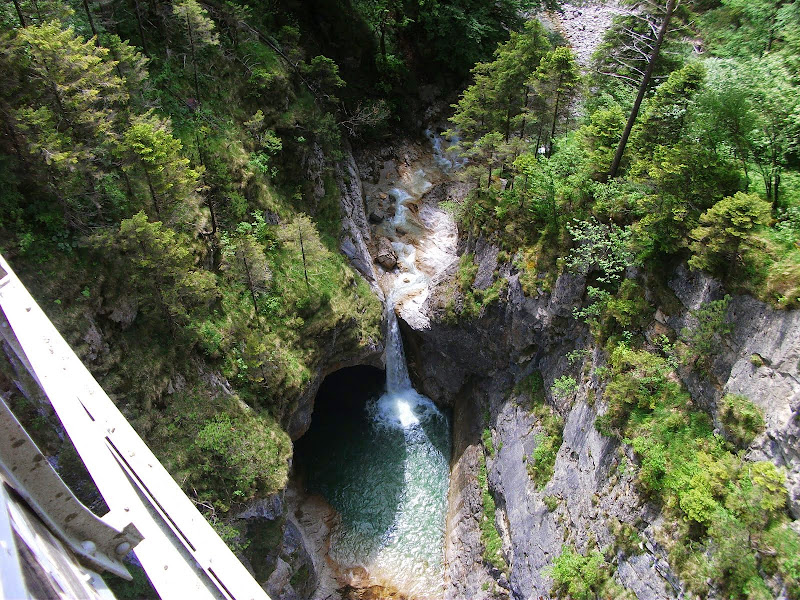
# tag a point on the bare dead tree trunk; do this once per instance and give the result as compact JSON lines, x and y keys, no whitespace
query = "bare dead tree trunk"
{"x":194,"y":59}
{"x":642,"y":90}
{"x":137,"y":9}
{"x":303,"y":252}
{"x":89,"y":16}
{"x":19,"y":14}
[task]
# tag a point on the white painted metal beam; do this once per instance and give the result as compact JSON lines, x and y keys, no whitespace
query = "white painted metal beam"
{"x":181,"y":553}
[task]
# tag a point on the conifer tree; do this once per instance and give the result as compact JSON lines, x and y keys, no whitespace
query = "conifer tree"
{"x":556,"y":80}
{"x":65,"y":102}
{"x":160,"y":267}
{"x":726,"y":230}
{"x":172,"y":184}
{"x":244,"y":262}
{"x":200,"y":32}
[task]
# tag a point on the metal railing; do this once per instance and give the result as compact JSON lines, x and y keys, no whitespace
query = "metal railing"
{"x":179,"y":550}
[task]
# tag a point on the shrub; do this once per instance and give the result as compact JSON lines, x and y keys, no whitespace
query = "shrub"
{"x":533,"y":387}
{"x":564,"y":386}
{"x":600,"y":247}
{"x":551,"y":502}
{"x":742,"y":419}
{"x":721,"y":505}
{"x":490,"y":537}
{"x":580,"y":577}
{"x":626,"y":538}
{"x":242,"y":455}
{"x":704,"y":339}
{"x":486,"y":437}
{"x":726,"y":230}
{"x":639,"y":379}
{"x":548,"y":441}
{"x":543,"y":459}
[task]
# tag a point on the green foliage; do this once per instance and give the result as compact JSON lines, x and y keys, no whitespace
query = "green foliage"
{"x":727,"y":502}
{"x":160,"y":269}
{"x":156,"y":197}
{"x":477,"y":26}
{"x":600,"y":247}
{"x":466,"y":301}
{"x":486,"y":438}
{"x":609,"y":314}
{"x":241,"y":456}
{"x":580,"y":577}
{"x":626,"y":538}
{"x":726,"y":231}
{"x":64,"y":102}
{"x":664,"y":119}
{"x":709,"y":331}
{"x":563,"y":387}
{"x":639,"y":379}
{"x":170,"y":180}
{"x":532,"y":386}
{"x":541,"y":464}
{"x":551,"y":502}
{"x":742,"y":419}
{"x":196,"y":21}
{"x":490,"y":537}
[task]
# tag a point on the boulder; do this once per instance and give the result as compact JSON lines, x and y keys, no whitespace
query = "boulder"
{"x":386,"y":256}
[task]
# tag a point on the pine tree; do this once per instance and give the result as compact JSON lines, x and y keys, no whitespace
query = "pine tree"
{"x":500,"y":98}
{"x":245,"y":263}
{"x":65,"y":102}
{"x":556,"y":80}
{"x":200,"y":32}
{"x":726,"y":230}
{"x":172,"y":184}
{"x":159,"y":265}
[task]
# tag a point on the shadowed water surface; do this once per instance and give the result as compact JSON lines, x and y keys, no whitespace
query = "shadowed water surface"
{"x":382,"y":460}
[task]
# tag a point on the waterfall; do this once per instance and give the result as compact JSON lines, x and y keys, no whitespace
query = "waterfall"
{"x":401,"y":406}
{"x":387,"y":471}
{"x":445,"y":156}
{"x":397,"y":379}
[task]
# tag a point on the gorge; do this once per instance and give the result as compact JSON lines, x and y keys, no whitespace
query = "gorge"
{"x":357,"y":273}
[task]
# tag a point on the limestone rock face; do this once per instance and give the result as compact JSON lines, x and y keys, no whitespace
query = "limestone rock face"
{"x":355,"y":233}
{"x":354,"y":237}
{"x":473,"y":368}
{"x":761,"y":362}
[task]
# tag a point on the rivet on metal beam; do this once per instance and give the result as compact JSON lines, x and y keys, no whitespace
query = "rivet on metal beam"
{"x":123,"y":548}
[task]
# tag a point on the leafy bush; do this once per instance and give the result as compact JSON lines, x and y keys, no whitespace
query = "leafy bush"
{"x":610,"y":314}
{"x":466,"y":301}
{"x":723,"y":505}
{"x":242,"y":455}
{"x":580,"y":577}
{"x":601,"y":247}
{"x":533,"y":387}
{"x":551,"y":502}
{"x":626,"y":538}
{"x":639,"y":379}
{"x":726,"y":230}
{"x":486,"y":437}
{"x":703,"y":340}
{"x":742,"y":419}
{"x":548,"y":441}
{"x":563,"y":387}
{"x":490,"y":537}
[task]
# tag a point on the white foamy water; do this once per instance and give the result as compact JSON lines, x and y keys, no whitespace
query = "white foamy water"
{"x":388,"y":475}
